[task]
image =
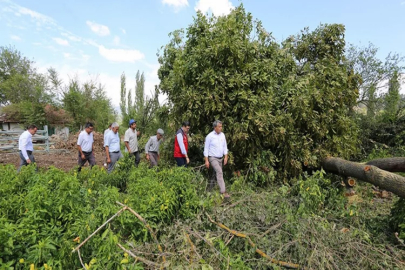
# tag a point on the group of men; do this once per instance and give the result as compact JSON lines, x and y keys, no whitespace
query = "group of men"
{"x":215,"y":149}
{"x":112,"y":145}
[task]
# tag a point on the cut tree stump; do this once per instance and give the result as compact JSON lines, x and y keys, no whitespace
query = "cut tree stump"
{"x":368,"y":173}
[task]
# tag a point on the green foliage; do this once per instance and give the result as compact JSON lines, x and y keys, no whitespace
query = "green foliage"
{"x":19,"y":80}
{"x":143,"y":109}
{"x":397,"y":220}
{"x":374,"y":73}
{"x":160,"y":196}
{"x":392,"y":99}
{"x":41,"y":213}
{"x":292,"y":100}
{"x":309,"y":223}
{"x":27,"y":112}
{"x":88,"y":102}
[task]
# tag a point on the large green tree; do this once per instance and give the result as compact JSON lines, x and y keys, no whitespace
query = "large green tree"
{"x":375,"y":74}
{"x":287,"y":105}
{"x":20,"y":81}
{"x":88,"y":102}
{"x":142,"y":108}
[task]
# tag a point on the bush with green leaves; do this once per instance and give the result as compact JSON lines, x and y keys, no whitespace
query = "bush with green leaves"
{"x":42,"y":213}
{"x":293,"y":100}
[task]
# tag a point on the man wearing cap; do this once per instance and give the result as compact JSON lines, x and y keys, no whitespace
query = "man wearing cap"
{"x":112,"y":147}
{"x":85,"y":146}
{"x":152,"y":148}
{"x":131,"y":141}
{"x":25,"y":146}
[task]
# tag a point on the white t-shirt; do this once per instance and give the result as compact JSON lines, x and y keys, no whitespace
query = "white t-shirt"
{"x":85,"y":141}
{"x":132,"y":138}
{"x":25,"y":143}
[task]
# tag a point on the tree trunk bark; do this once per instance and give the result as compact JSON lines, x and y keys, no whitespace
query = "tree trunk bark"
{"x":368,"y":173}
{"x":396,"y":164}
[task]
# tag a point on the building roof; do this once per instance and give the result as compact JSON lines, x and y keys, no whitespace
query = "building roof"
{"x":4,"y":118}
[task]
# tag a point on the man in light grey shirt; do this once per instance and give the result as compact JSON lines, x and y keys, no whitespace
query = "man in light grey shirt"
{"x":131,"y":141}
{"x":152,"y":148}
{"x":25,"y":146}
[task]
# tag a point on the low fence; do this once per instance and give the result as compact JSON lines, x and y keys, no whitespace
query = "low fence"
{"x":9,"y":140}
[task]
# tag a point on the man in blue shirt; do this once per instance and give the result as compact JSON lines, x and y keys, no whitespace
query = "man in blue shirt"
{"x":112,"y":146}
{"x":216,"y":151}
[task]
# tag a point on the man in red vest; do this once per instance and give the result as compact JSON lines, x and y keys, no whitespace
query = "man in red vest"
{"x":181,"y":145}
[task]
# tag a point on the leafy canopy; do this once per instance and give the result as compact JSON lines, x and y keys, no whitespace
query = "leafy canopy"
{"x":291,"y":101}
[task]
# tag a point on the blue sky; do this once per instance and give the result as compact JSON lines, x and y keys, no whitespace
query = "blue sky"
{"x":101,"y":39}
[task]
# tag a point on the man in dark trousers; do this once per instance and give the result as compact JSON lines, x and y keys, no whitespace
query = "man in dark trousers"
{"x":85,"y":146}
{"x":181,"y":145}
{"x":152,"y":148}
{"x":25,"y":146}
{"x":131,"y":141}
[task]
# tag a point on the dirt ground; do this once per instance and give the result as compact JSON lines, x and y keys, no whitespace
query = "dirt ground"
{"x":65,"y":160}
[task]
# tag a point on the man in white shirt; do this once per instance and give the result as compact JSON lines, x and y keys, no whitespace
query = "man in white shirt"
{"x":105,"y":134}
{"x":131,"y":141}
{"x":214,"y":151}
{"x":106,"y":131}
{"x":112,"y":147}
{"x":85,"y":146}
{"x":25,"y":146}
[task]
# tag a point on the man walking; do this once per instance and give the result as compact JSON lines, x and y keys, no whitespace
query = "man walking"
{"x":25,"y":146}
{"x":105,"y":134}
{"x":112,"y":147}
{"x":131,"y":141}
{"x":107,"y":130}
{"x":152,"y":148}
{"x":85,"y":146}
{"x":214,"y":151}
{"x":181,"y":145}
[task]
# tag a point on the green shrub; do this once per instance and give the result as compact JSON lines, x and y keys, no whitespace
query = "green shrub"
{"x":42,"y":213}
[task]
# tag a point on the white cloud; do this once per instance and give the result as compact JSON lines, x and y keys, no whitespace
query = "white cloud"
{"x":116,"y":40}
{"x":61,"y":41}
{"x":120,"y":55}
{"x":71,"y":37}
{"x":217,"y":7}
{"x":79,"y":57}
{"x":35,"y":15}
{"x":176,"y":3}
{"x":16,"y":38}
{"x":99,"y":29}
{"x":124,"y":31}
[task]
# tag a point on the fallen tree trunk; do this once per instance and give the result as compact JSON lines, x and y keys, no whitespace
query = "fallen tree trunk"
{"x":368,"y":173}
{"x":395,"y":164}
